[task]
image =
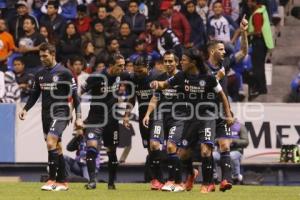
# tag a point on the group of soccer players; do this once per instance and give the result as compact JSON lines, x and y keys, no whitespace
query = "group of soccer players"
{"x":187,"y":108}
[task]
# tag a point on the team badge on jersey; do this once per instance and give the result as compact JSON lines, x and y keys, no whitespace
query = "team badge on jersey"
{"x":202,"y":83}
{"x":55,"y":78}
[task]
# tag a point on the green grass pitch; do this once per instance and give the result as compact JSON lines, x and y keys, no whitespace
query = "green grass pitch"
{"x":31,"y":191}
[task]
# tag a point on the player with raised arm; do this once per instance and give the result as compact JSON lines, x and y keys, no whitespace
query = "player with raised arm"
{"x":200,"y":90}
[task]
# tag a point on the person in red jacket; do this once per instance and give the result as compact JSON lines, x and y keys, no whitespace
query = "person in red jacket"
{"x":176,"y":21}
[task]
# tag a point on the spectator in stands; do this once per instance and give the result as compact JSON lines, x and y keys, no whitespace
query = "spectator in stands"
{"x":126,"y":40}
{"x":111,"y":25}
{"x":220,"y":26}
{"x":70,"y":43}
{"x":12,"y":90}
{"x":53,"y":19}
{"x":198,"y":33}
{"x":77,"y":65}
{"x":136,"y":20}
{"x":97,"y":35}
{"x":7,"y":45}
{"x":230,"y":8}
{"x":202,"y":10}
{"x":93,"y":7}
{"x":24,"y":79}
{"x":111,"y":49}
{"x":89,"y":56}
{"x":116,"y":11}
{"x":29,"y":46}
{"x":2,"y":85}
{"x":67,"y":8}
{"x":262,"y":41}
{"x":295,"y":88}
{"x":176,"y":21}
{"x":77,"y":166}
{"x":153,"y":9}
{"x":16,"y":25}
{"x":140,"y":51}
{"x":82,"y":21}
{"x":148,"y":37}
{"x":48,"y":34}
{"x":239,"y":142}
{"x":129,"y":67}
{"x":166,"y":39}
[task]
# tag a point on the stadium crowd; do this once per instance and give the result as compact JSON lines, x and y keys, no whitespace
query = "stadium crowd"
{"x":144,"y":38}
{"x":90,"y":31}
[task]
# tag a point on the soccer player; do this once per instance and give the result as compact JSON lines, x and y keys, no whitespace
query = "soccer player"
{"x":55,"y":83}
{"x":141,"y":79}
{"x":101,"y":121}
{"x":173,"y":128}
{"x":200,"y":91}
{"x":216,"y":54}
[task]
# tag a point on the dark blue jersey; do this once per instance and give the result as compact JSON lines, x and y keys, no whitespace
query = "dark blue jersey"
{"x":56,"y":85}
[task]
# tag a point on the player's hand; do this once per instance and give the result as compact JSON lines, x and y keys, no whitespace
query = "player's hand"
{"x":154,"y":85}
{"x":79,"y":132}
{"x":126,"y":122}
{"x":230,"y":121}
{"x":79,"y":123}
{"x":22,"y":114}
{"x":244,"y":24}
{"x":146,"y":121}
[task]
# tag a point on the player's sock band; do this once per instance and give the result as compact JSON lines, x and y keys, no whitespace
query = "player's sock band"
{"x":53,"y":160}
{"x":225,"y":163}
{"x":112,"y":166}
{"x":61,"y":172}
{"x":155,"y":160}
{"x":91,"y":155}
{"x":207,"y":170}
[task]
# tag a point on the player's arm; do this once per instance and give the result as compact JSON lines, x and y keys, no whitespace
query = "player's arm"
{"x":226,"y":107}
{"x":242,"y":53}
{"x":129,"y":106}
{"x":76,"y":99}
{"x":152,"y":105}
{"x":34,"y":96}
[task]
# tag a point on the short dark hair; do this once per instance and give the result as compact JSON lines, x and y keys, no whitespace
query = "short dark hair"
{"x":172,"y":53}
{"x":141,"y":61}
{"x":213,"y":43}
{"x":158,"y":24}
{"x":195,"y":57}
{"x":102,"y":7}
{"x":113,"y":59}
{"x":218,"y":1}
{"x":53,"y":3}
{"x":48,"y":47}
{"x":77,"y":58}
{"x":109,"y":40}
{"x":133,"y":1}
{"x":30,"y":19}
{"x":19,"y":59}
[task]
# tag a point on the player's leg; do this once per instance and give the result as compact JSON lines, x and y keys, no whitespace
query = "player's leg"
{"x":111,"y":141}
{"x":61,"y":184}
{"x":92,"y":137}
{"x":206,"y":141}
{"x":224,"y":141}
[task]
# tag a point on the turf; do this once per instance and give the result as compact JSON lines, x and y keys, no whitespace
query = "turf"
{"x":31,"y":191}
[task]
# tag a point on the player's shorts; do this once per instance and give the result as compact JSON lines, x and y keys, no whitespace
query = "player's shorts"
{"x":222,"y":130}
{"x":56,"y":124}
{"x":145,"y":132}
{"x":108,"y":133}
{"x":198,"y":132}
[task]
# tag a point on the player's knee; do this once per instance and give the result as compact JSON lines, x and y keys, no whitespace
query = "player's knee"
{"x":224,"y":146}
{"x":171,"y":147}
{"x":183,"y":154}
{"x":154,"y":145}
{"x":206,"y":150}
